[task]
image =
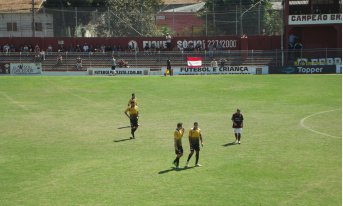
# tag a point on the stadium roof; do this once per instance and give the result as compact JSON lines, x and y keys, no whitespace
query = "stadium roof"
{"x":19,"y":6}
{"x":189,"y":8}
{"x":181,"y":1}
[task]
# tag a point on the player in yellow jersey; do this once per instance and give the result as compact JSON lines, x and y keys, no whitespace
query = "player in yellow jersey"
{"x":178,"y":143}
{"x":132,"y":113}
{"x":133,"y":98}
{"x":194,"y":137}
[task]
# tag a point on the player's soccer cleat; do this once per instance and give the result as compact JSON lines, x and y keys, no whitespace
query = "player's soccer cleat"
{"x":239,"y":142}
{"x":198,"y":165}
{"x":187,"y":164}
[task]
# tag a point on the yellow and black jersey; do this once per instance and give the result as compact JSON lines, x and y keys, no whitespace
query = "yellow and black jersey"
{"x":133,"y":111}
{"x":195,"y":134}
{"x":132,"y":100}
{"x":178,"y":136}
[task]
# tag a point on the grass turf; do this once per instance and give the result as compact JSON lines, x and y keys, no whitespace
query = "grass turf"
{"x":60,"y":142}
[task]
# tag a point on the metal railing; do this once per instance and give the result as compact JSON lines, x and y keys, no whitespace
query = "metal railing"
{"x":152,"y":59}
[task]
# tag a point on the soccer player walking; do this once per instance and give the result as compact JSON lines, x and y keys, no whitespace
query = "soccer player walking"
{"x":194,"y":138}
{"x":237,"y":125}
{"x":178,"y":143}
{"x":132,"y":113}
{"x":133,"y":98}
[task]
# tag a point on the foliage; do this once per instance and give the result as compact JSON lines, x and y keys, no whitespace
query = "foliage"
{"x":225,"y":16}
{"x":129,"y":18}
{"x":105,"y":17}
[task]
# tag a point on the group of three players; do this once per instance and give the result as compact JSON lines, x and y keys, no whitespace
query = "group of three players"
{"x":194,"y":135}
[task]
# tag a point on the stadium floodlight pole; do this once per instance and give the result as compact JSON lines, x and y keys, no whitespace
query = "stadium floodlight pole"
{"x":127,"y":23}
{"x":244,"y":12}
{"x":33,"y":18}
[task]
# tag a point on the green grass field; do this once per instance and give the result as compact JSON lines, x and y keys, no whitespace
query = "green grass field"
{"x":60,"y":143}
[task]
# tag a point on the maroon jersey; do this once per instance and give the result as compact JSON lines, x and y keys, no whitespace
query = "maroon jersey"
{"x":238,"y":119}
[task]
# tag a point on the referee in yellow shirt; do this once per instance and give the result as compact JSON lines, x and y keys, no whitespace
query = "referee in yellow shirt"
{"x":194,"y":137}
{"x":132,"y":113}
{"x":178,"y":133}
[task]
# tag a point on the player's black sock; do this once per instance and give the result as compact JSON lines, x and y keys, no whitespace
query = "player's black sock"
{"x":236,"y":135}
{"x":239,"y":137}
{"x":189,"y":157}
{"x":177,"y":161}
{"x":196,"y":158}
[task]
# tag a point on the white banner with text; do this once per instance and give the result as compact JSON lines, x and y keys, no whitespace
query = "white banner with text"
{"x":219,"y":70}
{"x":25,"y":68}
{"x":119,"y":71}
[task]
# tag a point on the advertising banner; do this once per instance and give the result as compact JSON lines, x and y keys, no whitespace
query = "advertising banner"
{"x":308,"y":19}
{"x":119,"y":71}
{"x":314,"y":69}
{"x":219,"y":70}
{"x":25,"y":68}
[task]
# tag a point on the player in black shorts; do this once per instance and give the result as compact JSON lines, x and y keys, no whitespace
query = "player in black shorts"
{"x":194,"y":137}
{"x":178,"y":133}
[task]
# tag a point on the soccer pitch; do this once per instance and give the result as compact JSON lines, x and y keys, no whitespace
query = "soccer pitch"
{"x":60,"y":142}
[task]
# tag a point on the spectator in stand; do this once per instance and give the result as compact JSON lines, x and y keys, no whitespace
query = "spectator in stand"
{"x":30,"y":48}
{"x":102,"y":48}
{"x":71,"y":48}
{"x":210,"y":50}
{"x":78,"y":65}
{"x":291,"y":41}
{"x":146,"y":48}
{"x":85,"y":48}
{"x":49,"y":50}
{"x":6,"y":48}
{"x":114,"y":48}
{"x":42,"y":54}
{"x":61,"y":49}
{"x":214,"y":63}
{"x":298,"y":49}
{"x":37,"y":49}
{"x":26,"y":49}
{"x":37,"y":57}
{"x":59,"y":59}
{"x":78,"y":48}
{"x":190,"y":46}
{"x":113,"y":64}
{"x":198,"y":46}
{"x":12,"y":48}
{"x":153,"y":48}
{"x":123,"y":64}
{"x":222,"y":62}
{"x":168,"y":41}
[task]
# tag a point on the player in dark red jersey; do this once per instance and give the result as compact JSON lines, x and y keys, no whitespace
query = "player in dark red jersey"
{"x":237,"y":125}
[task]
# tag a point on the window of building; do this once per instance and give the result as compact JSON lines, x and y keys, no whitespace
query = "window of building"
{"x":11,"y":26}
{"x":38,"y":26}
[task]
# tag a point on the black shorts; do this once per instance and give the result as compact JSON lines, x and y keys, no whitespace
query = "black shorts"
{"x":194,"y":146}
{"x":179,"y":150}
{"x":134,"y":121}
{"x":113,"y":67}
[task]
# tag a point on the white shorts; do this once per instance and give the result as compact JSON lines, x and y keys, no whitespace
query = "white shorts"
{"x":237,"y":130}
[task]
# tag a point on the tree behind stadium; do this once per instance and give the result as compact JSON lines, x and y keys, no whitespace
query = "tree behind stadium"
{"x":129,"y":18}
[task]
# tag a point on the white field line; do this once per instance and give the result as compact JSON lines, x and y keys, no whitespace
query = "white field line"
{"x":12,"y":101}
{"x":302,"y":123}
{"x":70,"y":92}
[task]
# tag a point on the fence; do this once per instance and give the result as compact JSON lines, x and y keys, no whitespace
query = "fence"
{"x":152,"y":59}
{"x":102,"y":22}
